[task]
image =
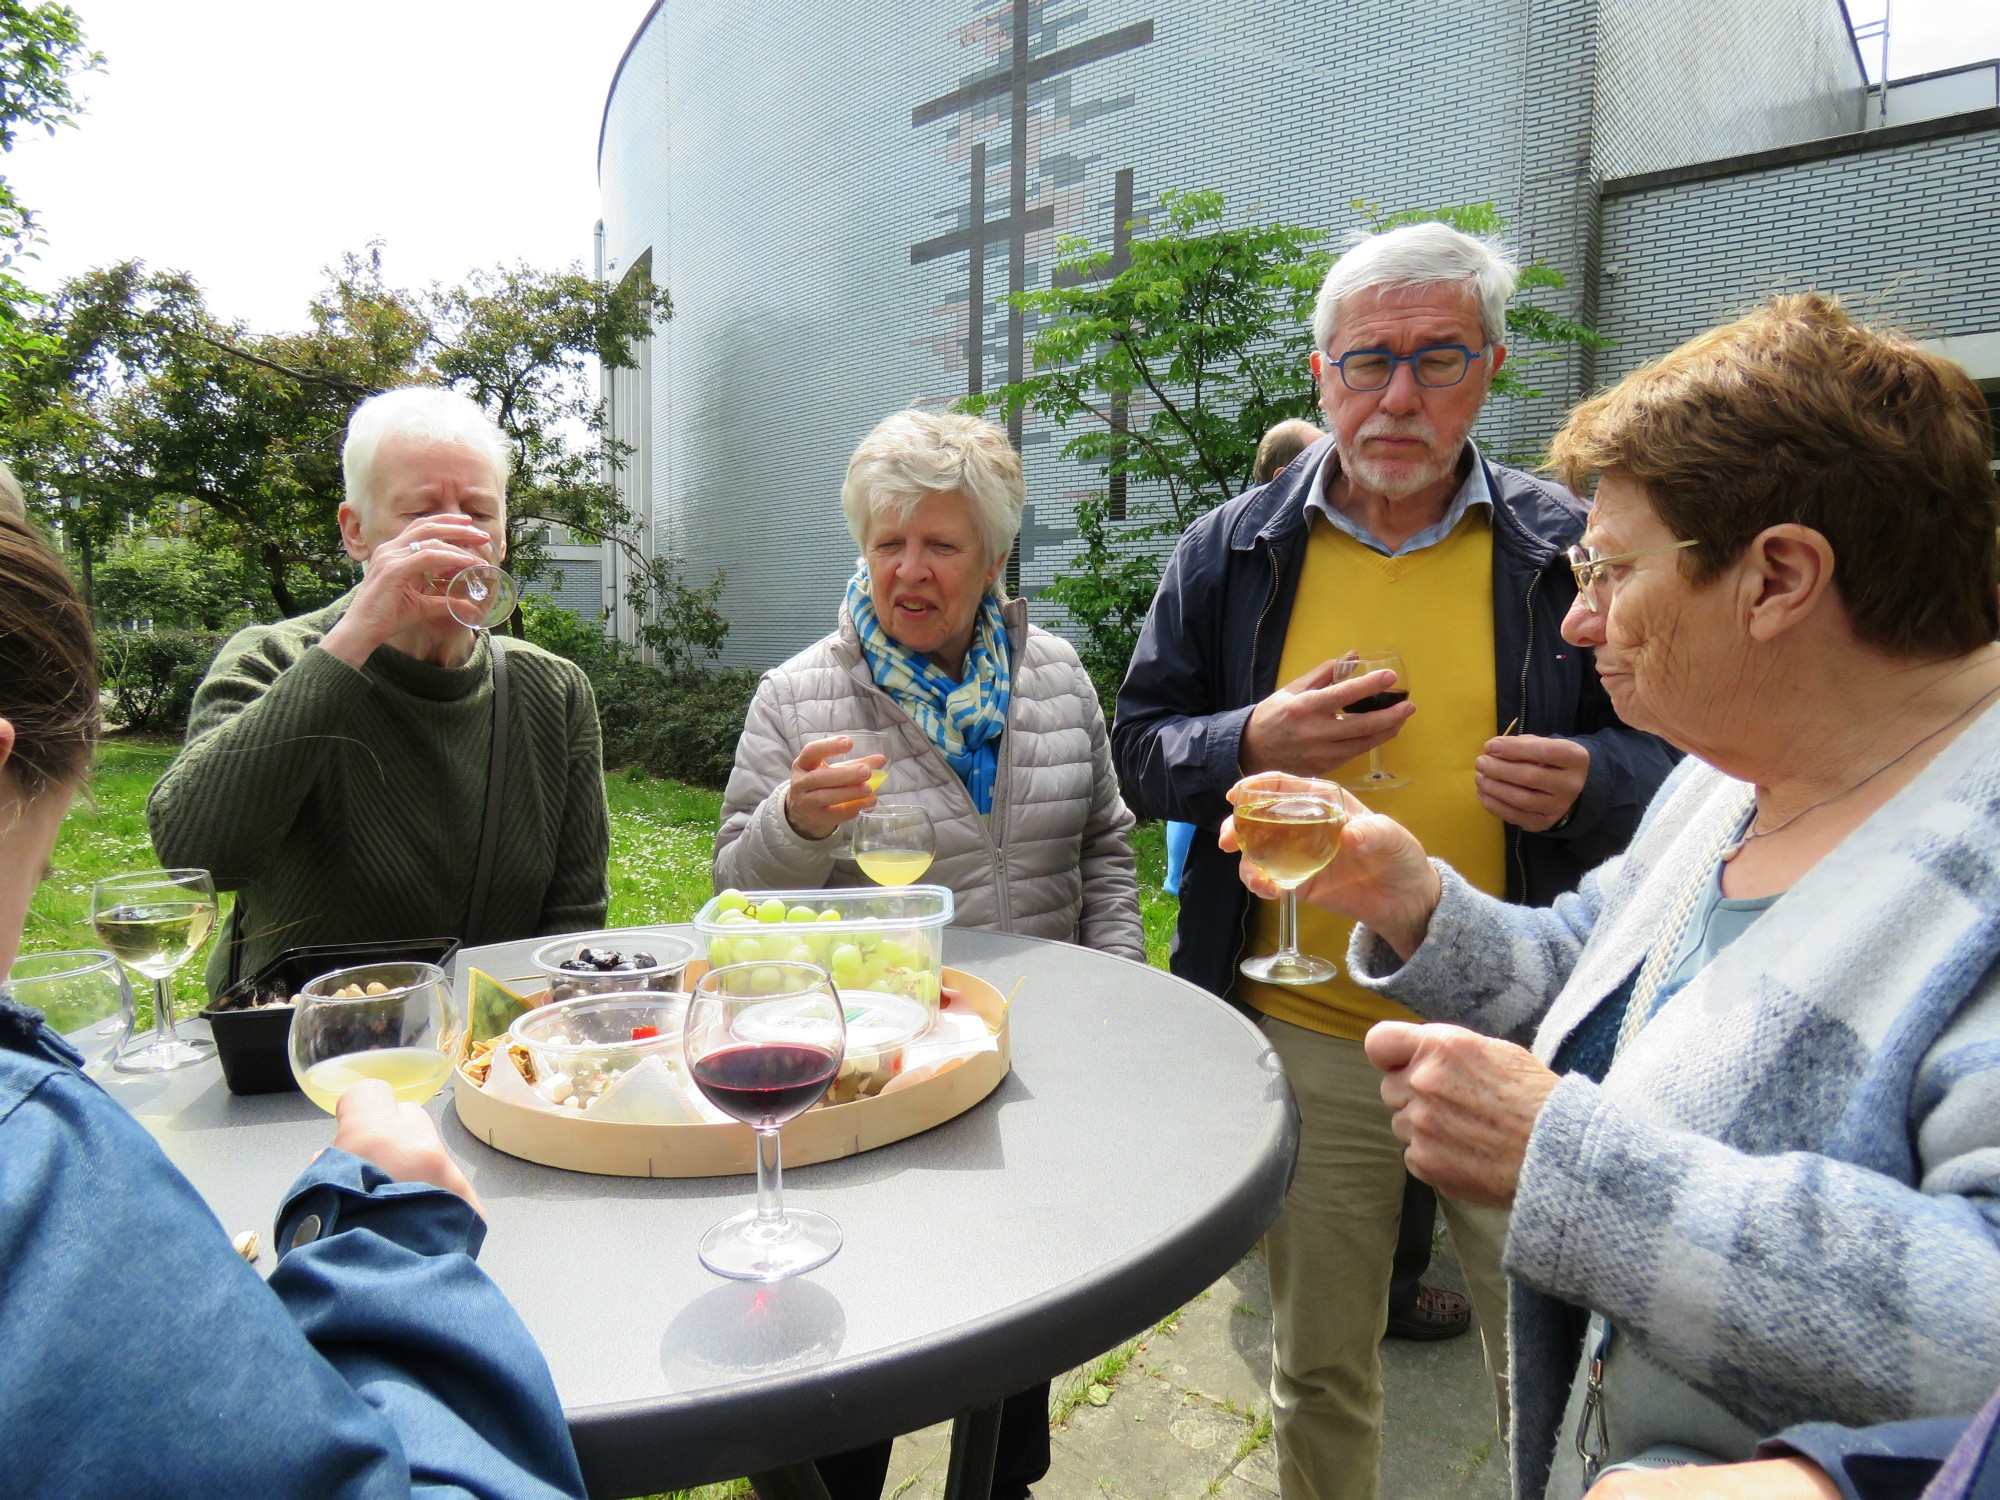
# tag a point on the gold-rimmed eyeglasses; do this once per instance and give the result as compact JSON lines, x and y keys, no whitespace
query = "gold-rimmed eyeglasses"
{"x":1588,"y":565}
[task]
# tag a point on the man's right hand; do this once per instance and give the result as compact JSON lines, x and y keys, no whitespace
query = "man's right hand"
{"x":824,"y":793}
{"x":1301,"y":729}
{"x":401,"y":589}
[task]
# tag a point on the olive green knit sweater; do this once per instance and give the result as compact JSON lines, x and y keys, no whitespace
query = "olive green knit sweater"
{"x":345,"y":806}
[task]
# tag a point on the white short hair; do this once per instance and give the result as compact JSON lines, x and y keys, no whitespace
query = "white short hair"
{"x":428,"y":414}
{"x":917,"y":453}
{"x":1425,"y":254}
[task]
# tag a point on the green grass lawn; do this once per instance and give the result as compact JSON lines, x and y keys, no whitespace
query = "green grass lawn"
{"x":661,"y":833}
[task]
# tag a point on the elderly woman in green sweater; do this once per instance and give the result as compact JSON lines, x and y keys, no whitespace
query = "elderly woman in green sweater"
{"x":336,"y":769}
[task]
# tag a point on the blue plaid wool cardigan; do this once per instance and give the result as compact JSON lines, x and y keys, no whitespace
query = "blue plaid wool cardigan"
{"x":1786,"y":1189}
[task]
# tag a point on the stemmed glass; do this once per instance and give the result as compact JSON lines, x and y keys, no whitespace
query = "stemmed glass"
{"x":481,"y":596}
{"x":1289,"y":827}
{"x":399,"y":1022}
{"x":763,"y":1042}
{"x":82,"y":994}
{"x":867,"y":742}
{"x":155,"y":921}
{"x":894,"y":845}
{"x":1378,"y":777}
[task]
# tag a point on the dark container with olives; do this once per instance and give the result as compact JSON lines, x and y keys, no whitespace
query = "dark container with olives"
{"x":253,"y":1018}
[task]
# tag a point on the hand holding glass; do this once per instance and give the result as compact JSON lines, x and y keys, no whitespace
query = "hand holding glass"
{"x":82,"y":995}
{"x":894,"y":845}
{"x":867,"y":742}
{"x":155,"y":921}
{"x":763,"y":1042}
{"x":399,"y":1022}
{"x":1378,"y":777}
{"x":1290,"y":829}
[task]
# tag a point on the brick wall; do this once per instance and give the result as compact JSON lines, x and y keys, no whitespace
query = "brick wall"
{"x":1689,"y":83}
{"x":1905,"y":233}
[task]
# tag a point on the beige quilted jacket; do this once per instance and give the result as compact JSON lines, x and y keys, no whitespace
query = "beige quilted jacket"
{"x":1055,"y":861}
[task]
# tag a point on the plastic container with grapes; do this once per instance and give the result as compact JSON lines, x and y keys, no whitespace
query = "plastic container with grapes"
{"x":887,"y":940}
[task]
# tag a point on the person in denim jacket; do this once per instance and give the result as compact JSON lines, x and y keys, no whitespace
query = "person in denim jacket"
{"x":142,"y":1355}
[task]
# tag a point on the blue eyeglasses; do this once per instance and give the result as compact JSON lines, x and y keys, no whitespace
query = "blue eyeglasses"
{"x":1435,"y":366}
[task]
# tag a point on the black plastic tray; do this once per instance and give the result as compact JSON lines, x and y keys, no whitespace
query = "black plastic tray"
{"x":251,"y":1044}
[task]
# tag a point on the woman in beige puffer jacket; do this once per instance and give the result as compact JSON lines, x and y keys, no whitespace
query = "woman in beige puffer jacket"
{"x":927,"y":496}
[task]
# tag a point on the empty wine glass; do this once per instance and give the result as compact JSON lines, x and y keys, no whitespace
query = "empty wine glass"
{"x":481,"y":596}
{"x":894,"y":845}
{"x":155,"y":921}
{"x":1378,"y":777}
{"x":763,"y":1042}
{"x":84,"y":997}
{"x":1289,"y":827}
{"x":399,"y":1022}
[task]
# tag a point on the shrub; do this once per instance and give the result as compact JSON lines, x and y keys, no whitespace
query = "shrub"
{"x":681,"y":723}
{"x":151,"y":675}
{"x":176,"y":585}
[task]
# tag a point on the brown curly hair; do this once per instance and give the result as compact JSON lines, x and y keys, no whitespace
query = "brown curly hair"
{"x":1797,"y":413}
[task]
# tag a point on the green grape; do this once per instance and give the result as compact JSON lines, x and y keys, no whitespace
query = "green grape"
{"x":732,"y":900}
{"x":831,"y":914}
{"x":802,"y":914}
{"x":772,"y":910}
{"x":873,"y":973}
{"x":895,"y":954}
{"x":735,"y":919}
{"x":799,"y":953}
{"x":845,"y":963}
{"x":720,"y":953}
{"x":766,"y":981}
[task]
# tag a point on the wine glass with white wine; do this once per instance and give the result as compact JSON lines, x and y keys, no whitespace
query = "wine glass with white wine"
{"x":397,"y":1022}
{"x":1289,"y":827}
{"x":1378,"y":777}
{"x":894,"y":845}
{"x":155,"y":921}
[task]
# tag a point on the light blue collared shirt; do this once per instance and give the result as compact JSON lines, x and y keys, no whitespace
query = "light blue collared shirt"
{"x":1472,"y":492}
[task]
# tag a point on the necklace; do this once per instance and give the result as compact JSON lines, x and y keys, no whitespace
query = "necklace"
{"x":1763,"y":833}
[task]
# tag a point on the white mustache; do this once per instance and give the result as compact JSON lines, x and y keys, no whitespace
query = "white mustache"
{"x":1391,"y":427}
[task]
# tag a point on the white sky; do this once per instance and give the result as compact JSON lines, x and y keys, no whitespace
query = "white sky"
{"x":251,"y":142}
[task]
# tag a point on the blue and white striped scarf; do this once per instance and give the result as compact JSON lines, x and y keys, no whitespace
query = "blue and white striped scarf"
{"x":963,"y":719}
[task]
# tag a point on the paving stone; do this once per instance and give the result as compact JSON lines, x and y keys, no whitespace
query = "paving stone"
{"x":1182,"y":1420}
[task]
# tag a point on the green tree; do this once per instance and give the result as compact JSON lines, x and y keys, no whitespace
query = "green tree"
{"x":41,"y":47}
{"x":150,"y":412}
{"x":1168,"y":372}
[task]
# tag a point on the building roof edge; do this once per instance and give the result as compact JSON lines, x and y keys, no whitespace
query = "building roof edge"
{"x":1850,"y":144}
{"x":604,"y":119}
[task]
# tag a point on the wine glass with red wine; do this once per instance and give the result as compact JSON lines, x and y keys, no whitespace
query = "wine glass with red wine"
{"x":763,"y":1042}
{"x":1378,"y":777}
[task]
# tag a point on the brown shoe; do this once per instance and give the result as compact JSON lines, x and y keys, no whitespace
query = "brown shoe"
{"x":1436,"y":1314}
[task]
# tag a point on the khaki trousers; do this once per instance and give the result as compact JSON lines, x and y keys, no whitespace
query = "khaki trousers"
{"x":1329,"y":1256}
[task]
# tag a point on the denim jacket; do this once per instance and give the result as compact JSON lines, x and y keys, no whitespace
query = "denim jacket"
{"x":1208,"y":654}
{"x":140,"y":1355}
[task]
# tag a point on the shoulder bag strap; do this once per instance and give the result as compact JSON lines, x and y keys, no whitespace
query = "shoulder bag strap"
{"x":496,"y":784}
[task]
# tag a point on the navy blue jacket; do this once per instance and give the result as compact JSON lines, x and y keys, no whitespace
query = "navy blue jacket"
{"x":139,"y":1355}
{"x":1942,"y":1458}
{"x":1209,"y":654}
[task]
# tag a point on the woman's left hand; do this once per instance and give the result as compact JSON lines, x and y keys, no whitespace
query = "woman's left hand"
{"x":1464,"y":1105}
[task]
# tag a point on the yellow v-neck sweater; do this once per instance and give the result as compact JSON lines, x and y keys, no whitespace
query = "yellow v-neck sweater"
{"x":1435,"y":607}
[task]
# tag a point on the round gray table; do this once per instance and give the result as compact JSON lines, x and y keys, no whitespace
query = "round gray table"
{"x":1142,"y":1143}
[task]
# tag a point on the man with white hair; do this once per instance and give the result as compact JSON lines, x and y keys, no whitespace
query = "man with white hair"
{"x":1393,"y":534}
{"x":340,"y":772}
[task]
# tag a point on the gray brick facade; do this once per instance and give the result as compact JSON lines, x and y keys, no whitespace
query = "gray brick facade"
{"x":805,"y":192}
